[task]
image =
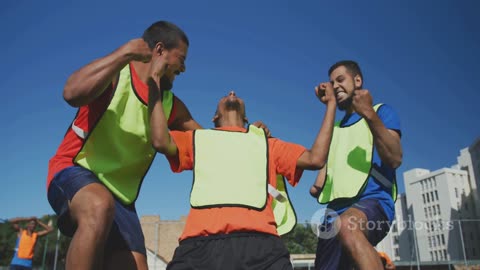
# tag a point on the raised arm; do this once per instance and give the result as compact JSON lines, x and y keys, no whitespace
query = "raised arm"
{"x":161,"y":140}
{"x":46,"y":228}
{"x":317,"y":187}
{"x":316,"y":157}
{"x":14,"y":221}
{"x":183,"y":119}
{"x":89,"y":82}
{"x":387,"y":142}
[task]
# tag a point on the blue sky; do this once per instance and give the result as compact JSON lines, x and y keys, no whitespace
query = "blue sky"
{"x":421,"y":57}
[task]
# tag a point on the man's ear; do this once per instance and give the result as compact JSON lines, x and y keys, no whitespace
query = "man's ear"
{"x":358,"y":82}
{"x":159,"y":48}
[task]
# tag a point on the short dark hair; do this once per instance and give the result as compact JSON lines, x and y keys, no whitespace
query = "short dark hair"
{"x":352,"y":67}
{"x":167,"y":33}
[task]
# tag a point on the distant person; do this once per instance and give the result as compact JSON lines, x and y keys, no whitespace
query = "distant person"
{"x":386,"y":261}
{"x":231,"y":223}
{"x":358,"y":182}
{"x":95,"y":177}
{"x":26,"y":240}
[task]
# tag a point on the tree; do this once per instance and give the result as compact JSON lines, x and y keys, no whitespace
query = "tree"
{"x":301,"y":240}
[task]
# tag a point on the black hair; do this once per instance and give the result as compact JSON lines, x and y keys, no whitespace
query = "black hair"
{"x":167,"y":33}
{"x":352,"y":67}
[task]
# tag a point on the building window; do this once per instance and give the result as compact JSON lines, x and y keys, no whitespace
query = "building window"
{"x":434,"y":241}
{"x":424,"y":199}
{"x":428,"y":197}
{"x":436,"y":255}
{"x":426,"y":213}
{"x":456,"y":192}
{"x":423,"y":185}
{"x":430,"y":211}
{"x":445,"y":254}
{"x":431,"y":195}
{"x":434,"y":182}
{"x":438,"y":239}
{"x":434,"y":211}
{"x":430,"y":242}
{"x":443,"y":240}
{"x":438,"y":209}
{"x":431,"y":255}
{"x":396,"y":252}
{"x":436,"y":194}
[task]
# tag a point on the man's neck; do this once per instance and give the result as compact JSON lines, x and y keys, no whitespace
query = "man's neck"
{"x":142,"y":70}
{"x":231,"y":119}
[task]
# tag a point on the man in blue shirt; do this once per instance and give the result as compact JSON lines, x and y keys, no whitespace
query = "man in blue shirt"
{"x":358,"y":182}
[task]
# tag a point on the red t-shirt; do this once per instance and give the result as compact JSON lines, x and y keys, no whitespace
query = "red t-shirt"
{"x":86,"y":118}
{"x":283,"y":158}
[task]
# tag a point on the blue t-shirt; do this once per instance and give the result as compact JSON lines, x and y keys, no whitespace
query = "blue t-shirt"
{"x":374,"y":189}
{"x":18,"y":261}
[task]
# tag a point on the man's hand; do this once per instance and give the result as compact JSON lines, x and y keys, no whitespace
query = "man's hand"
{"x":362,"y":103}
{"x":138,"y":50}
{"x":158,"y":67}
{"x":260,"y":124}
{"x":324,"y":92}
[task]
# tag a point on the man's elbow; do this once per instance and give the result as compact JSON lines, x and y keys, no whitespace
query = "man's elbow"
{"x":159,"y":146}
{"x":318,"y":163}
{"x":395,"y":161}
{"x":70,"y":97}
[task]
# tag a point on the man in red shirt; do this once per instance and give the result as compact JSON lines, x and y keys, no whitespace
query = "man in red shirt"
{"x":231,"y":223}
{"x":89,"y":185}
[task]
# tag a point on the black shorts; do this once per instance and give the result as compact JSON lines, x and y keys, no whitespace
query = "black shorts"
{"x":232,"y":251}
{"x":126,"y":232}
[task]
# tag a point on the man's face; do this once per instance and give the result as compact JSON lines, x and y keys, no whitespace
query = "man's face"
{"x":31,"y":225}
{"x":343,"y":85}
{"x":176,"y":65}
{"x":231,"y":102}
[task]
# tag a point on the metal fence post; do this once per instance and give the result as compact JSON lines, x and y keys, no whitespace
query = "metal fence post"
{"x":56,"y":250}
{"x":156,"y":247}
{"x":463,"y":243}
{"x":417,"y":257}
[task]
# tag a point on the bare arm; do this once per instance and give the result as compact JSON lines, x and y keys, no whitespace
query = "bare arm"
{"x":317,"y":187}
{"x":89,"y":82}
{"x":161,"y":140}
{"x":14,"y":222}
{"x":316,"y":157}
{"x":387,"y":142}
{"x":183,"y":119}
{"x":46,"y":229}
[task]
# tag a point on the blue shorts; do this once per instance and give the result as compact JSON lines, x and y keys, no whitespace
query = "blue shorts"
{"x":19,"y":267}
{"x":126,"y":232}
{"x":329,"y":253}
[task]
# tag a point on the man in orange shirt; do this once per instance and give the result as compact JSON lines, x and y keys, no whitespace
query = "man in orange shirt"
{"x":386,"y":261}
{"x":26,"y":240}
{"x":231,"y":223}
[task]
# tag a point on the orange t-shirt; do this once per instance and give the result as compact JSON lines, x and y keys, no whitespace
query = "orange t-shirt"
{"x":282,"y":160}
{"x":86,"y":119}
{"x":26,"y":246}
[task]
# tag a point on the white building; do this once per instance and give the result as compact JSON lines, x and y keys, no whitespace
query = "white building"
{"x":469,"y":160}
{"x":437,"y":200}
